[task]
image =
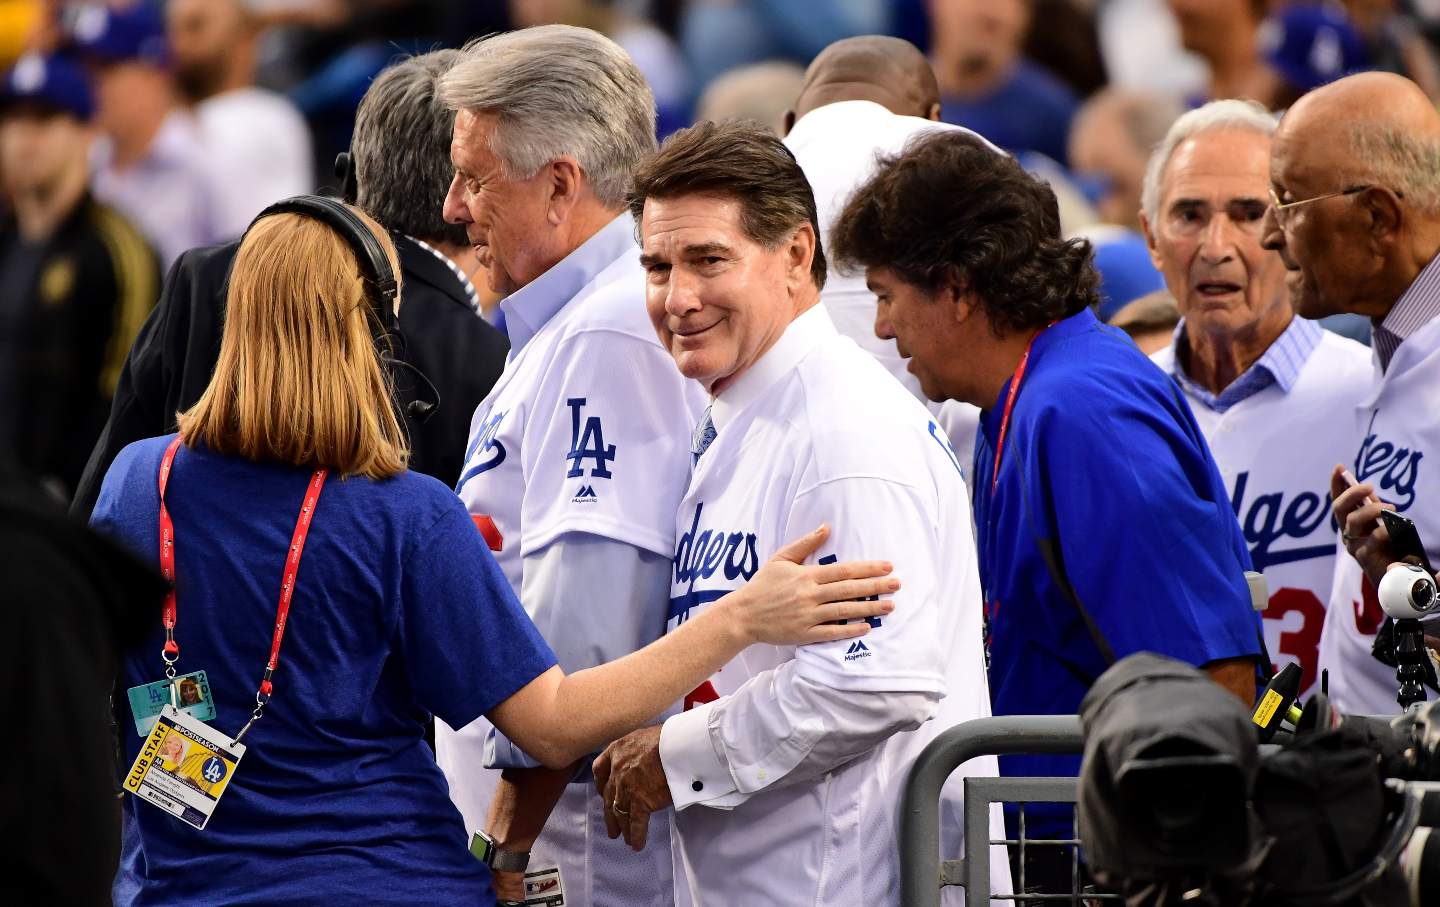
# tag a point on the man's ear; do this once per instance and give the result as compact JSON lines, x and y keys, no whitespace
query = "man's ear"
{"x":800,"y":253}
{"x":564,"y":183}
{"x":953,"y":292}
{"x":933,"y":115}
{"x":1384,"y":211}
{"x":1149,"y":234}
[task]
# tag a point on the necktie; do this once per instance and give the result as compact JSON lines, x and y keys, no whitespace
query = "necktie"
{"x":703,"y":436}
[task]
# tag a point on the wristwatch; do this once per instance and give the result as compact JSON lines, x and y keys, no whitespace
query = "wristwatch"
{"x":488,"y":852}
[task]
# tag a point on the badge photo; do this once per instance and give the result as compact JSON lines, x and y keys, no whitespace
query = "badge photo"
{"x":191,"y":696}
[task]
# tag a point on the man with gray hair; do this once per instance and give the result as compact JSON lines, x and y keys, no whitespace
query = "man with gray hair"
{"x":1355,"y":177}
{"x":578,"y":459}
{"x":1258,"y":378}
{"x":402,"y":137}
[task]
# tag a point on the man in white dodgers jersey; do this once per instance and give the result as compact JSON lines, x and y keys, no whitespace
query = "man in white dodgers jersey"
{"x":1273,"y":393}
{"x":786,"y":768}
{"x":1357,"y":223}
{"x":579,"y":455}
{"x":865,"y":97}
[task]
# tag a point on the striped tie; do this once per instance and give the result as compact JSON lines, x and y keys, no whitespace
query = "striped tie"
{"x":702,"y":438}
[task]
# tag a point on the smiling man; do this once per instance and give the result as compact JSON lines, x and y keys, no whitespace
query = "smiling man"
{"x":1357,"y":223}
{"x":785,"y":769}
{"x":578,"y":456}
{"x":1102,"y":523}
{"x":1258,"y":378}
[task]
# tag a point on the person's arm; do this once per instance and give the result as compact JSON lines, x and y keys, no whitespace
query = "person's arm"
{"x":558,"y":718}
{"x":1357,"y":512}
{"x":1159,"y":499}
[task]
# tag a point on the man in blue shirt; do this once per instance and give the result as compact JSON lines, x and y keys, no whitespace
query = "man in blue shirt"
{"x":1102,"y":523}
{"x":987,"y":85}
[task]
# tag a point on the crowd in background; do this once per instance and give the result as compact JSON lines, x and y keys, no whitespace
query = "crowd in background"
{"x":197,"y":113}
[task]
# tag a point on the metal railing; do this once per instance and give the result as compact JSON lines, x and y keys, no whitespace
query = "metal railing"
{"x":921,"y":873}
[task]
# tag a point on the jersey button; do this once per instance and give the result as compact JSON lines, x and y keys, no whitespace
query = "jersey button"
{"x":697,"y":786}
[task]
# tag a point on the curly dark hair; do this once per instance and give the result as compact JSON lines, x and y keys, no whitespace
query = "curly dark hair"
{"x":950,"y":207}
{"x":744,"y":161}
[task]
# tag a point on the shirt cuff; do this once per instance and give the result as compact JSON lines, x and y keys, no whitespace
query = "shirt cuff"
{"x":693,"y":770}
{"x":501,"y":753}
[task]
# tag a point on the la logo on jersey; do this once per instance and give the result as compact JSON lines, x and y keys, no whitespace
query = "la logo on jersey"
{"x":588,"y":444}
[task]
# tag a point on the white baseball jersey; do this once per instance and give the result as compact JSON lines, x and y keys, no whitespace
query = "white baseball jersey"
{"x":1276,"y":449}
{"x":1399,"y":441}
{"x":779,"y":801}
{"x":585,"y":436}
{"x":838,"y":146}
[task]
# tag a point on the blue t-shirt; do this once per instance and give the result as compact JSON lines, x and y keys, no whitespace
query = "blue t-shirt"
{"x":1030,"y":111}
{"x":1104,"y":462}
{"x":399,"y":612}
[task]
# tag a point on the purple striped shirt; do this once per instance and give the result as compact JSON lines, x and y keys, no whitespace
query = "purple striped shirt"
{"x":1417,"y":306}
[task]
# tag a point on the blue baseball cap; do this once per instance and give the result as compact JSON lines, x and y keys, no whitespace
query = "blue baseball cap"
{"x":1310,"y":45}
{"x":52,"y":81}
{"x":134,"y":32}
{"x":1126,"y":271}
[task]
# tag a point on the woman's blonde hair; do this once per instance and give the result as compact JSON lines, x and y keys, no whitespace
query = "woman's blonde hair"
{"x":299,"y":379}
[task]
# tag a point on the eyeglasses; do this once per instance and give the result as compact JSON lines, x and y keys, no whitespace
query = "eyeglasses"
{"x":1281,"y":207}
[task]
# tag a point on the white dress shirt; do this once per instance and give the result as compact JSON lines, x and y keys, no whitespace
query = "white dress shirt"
{"x":260,"y":143}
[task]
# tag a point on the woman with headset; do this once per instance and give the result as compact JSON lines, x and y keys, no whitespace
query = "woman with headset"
{"x":286,"y":484}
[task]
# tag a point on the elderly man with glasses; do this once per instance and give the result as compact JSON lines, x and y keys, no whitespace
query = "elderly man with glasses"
{"x":1355,"y":216}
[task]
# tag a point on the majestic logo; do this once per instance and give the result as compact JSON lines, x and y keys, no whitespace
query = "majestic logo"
{"x":857,"y":650}
{"x":586,"y":495}
{"x":484,"y":443}
{"x":1394,"y":469}
{"x":587,"y":445}
{"x":1268,"y":518}
{"x":699,"y":555}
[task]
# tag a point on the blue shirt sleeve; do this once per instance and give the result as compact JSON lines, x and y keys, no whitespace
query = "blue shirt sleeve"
{"x":1144,"y":528}
{"x":467,"y":643}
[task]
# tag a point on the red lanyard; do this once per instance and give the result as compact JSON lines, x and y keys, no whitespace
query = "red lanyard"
{"x":171,"y":652}
{"x":1015,"y":380}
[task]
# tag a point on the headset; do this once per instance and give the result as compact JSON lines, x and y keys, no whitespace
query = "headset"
{"x":380,"y":279}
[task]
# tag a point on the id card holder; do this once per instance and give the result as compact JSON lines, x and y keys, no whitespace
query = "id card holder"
{"x":192,"y":695}
{"x":184,"y":767}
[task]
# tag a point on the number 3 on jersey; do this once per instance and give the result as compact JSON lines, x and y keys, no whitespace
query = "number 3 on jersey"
{"x":588,"y":444}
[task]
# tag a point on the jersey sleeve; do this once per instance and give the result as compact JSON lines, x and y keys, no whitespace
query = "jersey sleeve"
{"x":467,"y":643}
{"x":883,"y":519}
{"x":1172,"y":579}
{"x":607,"y":444}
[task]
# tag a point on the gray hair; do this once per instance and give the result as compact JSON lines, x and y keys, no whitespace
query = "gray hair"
{"x":559,"y":90}
{"x":1213,"y":117}
{"x":1401,"y":162}
{"x":401,"y":149}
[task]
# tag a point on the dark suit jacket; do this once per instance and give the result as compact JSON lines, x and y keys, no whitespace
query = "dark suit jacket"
{"x":174,"y":356}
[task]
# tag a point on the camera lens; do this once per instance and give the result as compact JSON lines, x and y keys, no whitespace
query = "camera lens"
{"x":1422,"y":595}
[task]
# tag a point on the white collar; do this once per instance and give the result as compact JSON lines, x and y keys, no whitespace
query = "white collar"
{"x":844,"y":114}
{"x":809,"y":329}
{"x":531,"y":307}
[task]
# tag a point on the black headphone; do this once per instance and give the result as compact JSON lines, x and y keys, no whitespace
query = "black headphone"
{"x":379,"y":276}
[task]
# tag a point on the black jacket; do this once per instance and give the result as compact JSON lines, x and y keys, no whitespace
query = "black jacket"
{"x":69,"y":308}
{"x":174,"y":356}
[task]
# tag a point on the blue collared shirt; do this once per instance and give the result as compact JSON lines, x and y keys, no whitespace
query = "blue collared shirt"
{"x":531,"y":307}
{"x":1417,"y":307}
{"x":1280,"y":364}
